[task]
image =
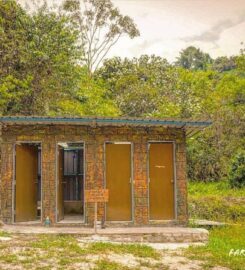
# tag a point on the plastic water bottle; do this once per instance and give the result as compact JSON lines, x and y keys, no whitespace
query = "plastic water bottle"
{"x":47,"y":221}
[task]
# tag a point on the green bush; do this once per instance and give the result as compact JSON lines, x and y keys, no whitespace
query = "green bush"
{"x":237,"y":171}
{"x":216,"y":201}
{"x":217,"y":208}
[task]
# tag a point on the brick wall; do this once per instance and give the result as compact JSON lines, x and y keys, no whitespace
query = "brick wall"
{"x":94,"y":138}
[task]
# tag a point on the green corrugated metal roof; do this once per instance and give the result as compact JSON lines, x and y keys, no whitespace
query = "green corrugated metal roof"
{"x":104,"y":121}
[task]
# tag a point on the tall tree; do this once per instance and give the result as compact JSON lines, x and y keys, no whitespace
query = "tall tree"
{"x":39,"y":55}
{"x":137,"y":84}
{"x":194,"y":59}
{"x":14,"y":82}
{"x":210,"y":154}
{"x":224,"y":63}
{"x":240,"y":60}
{"x":53,"y":56}
{"x":101,"y":25}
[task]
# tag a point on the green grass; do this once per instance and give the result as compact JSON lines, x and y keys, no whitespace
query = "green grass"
{"x":107,"y":265}
{"x":4,"y":234}
{"x":134,"y":249}
{"x":9,"y":258}
{"x":155,"y":266}
{"x":54,"y":241}
{"x":216,"y":252}
{"x":221,"y":188}
{"x":69,"y":244}
{"x":63,"y":251}
{"x":216,"y":201}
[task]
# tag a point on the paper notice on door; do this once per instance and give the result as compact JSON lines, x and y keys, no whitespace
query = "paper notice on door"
{"x":160,"y":166}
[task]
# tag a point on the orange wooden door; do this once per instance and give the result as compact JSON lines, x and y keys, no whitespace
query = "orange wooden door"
{"x":26,"y":182}
{"x":60,"y":196}
{"x":118,"y":181}
{"x":161,"y":181}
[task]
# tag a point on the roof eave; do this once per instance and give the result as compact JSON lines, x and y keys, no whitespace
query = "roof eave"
{"x":103,"y":121}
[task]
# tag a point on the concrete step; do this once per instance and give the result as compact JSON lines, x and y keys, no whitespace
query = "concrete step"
{"x":206,"y":223}
{"x":130,"y":234}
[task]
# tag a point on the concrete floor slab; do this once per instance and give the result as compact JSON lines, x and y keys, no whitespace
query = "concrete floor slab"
{"x":132,"y":234}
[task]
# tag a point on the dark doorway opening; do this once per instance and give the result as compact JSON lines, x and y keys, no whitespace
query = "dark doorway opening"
{"x":70,"y":183}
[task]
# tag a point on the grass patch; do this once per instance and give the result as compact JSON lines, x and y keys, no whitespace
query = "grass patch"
{"x":64,"y":250}
{"x":53,"y":241}
{"x":4,"y":234}
{"x":9,"y":258}
{"x":221,"y":188}
{"x":67,"y":260}
{"x":216,"y":252}
{"x":155,"y":266}
{"x":108,"y":265}
{"x":217,"y":209}
{"x":216,"y":201}
{"x":134,"y":249}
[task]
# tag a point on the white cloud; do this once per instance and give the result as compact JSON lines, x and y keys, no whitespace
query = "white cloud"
{"x":168,"y":26}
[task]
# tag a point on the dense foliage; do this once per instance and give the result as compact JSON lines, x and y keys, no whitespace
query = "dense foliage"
{"x":45,"y":69}
{"x":38,"y":55}
{"x":216,"y":201}
{"x":150,"y":86}
{"x":237,"y":170}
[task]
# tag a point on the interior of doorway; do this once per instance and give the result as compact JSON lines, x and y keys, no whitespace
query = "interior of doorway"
{"x":70,"y":183}
{"x":27,"y":183}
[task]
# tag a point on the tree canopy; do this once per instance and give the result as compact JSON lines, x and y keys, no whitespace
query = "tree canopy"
{"x":193,"y":58}
{"x":39,"y":55}
{"x":101,"y":25}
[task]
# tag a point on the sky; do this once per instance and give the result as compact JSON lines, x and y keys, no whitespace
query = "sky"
{"x":168,"y":26}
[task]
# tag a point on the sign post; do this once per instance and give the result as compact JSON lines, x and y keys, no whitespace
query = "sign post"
{"x":95,"y":217}
{"x":95,"y":196}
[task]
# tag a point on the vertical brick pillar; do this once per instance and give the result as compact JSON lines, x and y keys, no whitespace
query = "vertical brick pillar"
{"x":6,"y":182}
{"x":94,"y":176}
{"x":140,"y":183}
{"x":49,"y":179}
{"x":99,"y":174}
{"x":89,"y":178}
{"x":181,"y":178}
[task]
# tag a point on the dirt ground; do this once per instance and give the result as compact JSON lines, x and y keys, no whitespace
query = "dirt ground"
{"x":21,"y":251}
